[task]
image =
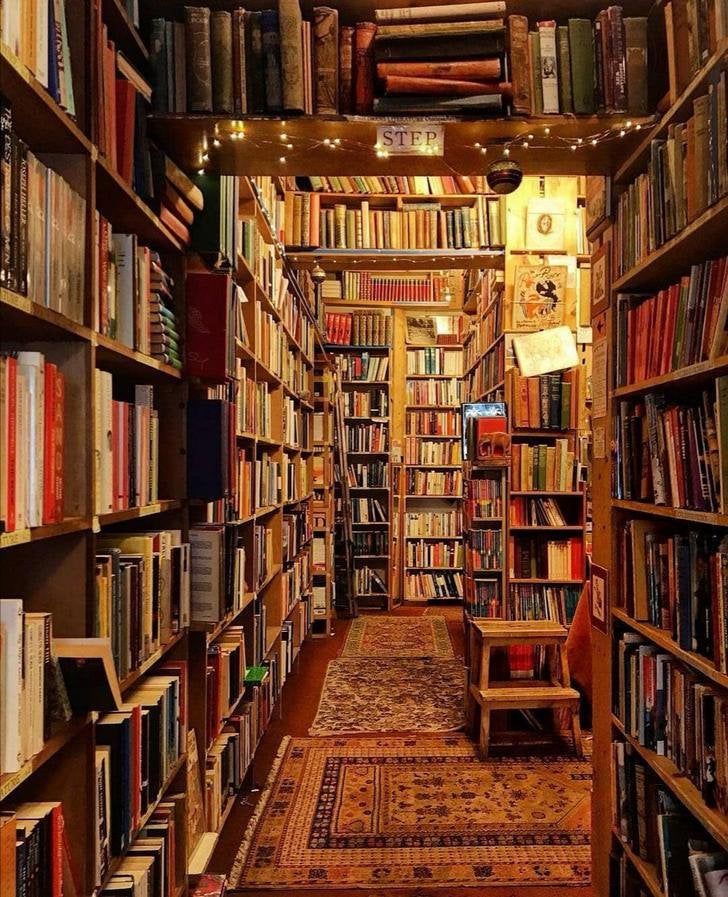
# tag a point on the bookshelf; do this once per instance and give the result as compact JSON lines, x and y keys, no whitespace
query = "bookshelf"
{"x":625,"y":519}
{"x":323,"y":499}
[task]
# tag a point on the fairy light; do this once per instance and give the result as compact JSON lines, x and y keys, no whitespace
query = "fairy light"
{"x":200,"y":171}
{"x":525,"y":144}
{"x":205,"y":158}
{"x":506,"y":152}
{"x":282,"y":160}
{"x":284,"y":137}
{"x":216,"y":143}
{"x":337,"y":141}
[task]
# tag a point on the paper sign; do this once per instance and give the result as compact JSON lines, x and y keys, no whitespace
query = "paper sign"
{"x":412,"y":140}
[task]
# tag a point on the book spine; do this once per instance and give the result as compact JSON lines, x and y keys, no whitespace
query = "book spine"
{"x":221,"y":50}
{"x":291,"y":32}
{"x":364,"y":67}
{"x":199,"y":61}
{"x":326,"y":59}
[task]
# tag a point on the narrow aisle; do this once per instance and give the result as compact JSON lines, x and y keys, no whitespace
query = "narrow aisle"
{"x":348,"y":812}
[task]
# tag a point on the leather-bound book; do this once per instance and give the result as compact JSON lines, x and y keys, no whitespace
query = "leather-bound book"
{"x":240,"y":104}
{"x":635,"y":45}
{"x":221,"y":49}
{"x":364,"y":67}
{"x":566,"y":103}
{"x":616,"y":62}
{"x":457,"y":70}
{"x":346,"y":69}
{"x":581,"y":49}
{"x":254,"y":71}
{"x":400,"y":84}
{"x":271,"y":42}
{"x":290,"y":22}
{"x":199,"y":63}
{"x":326,"y":60}
{"x":457,"y":46}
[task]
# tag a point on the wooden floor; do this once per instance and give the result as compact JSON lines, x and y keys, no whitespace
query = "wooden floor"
{"x":296,"y":717}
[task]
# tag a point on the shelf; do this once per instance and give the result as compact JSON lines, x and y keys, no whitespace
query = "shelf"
{"x":127,"y":213}
{"x":638,"y":507}
{"x":120,"y":359}
{"x":546,"y":581}
{"x":381,"y":383}
{"x":431,"y":436}
{"x":527,"y":433}
{"x":645,"y":870}
{"x":560,"y":528}
{"x":674,"y":258}
{"x":714,"y":822}
{"x":157,"y":507}
{"x":124,"y":34}
{"x":384,"y":259}
{"x":384,"y":523}
{"x":50,"y":531}
{"x":437,"y":495}
{"x":434,"y":377}
{"x":30,"y":320}
{"x":183,"y":135}
{"x":269,"y":578}
{"x":693,"y":375}
{"x":433,"y":538}
{"x":333,"y":348}
{"x":429,"y":465}
{"x":44,"y":126}
{"x":135,"y":675}
{"x":545,"y":492}
{"x":664,"y":641}
{"x":451,"y":409}
{"x":10,"y":781}
{"x":679,"y":112}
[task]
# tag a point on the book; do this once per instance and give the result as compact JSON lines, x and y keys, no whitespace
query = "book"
{"x":88,"y":671}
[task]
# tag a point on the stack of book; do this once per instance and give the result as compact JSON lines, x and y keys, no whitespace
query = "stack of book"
{"x":373,"y":474}
{"x":225,"y":678}
{"x":34,"y":848}
{"x":42,"y":228}
{"x":368,"y":582}
{"x":363,"y":438}
{"x":365,"y":367}
{"x":548,"y":402}
{"x":580,"y":67}
{"x":483,"y":598}
{"x":536,"y":512}
{"x":680,"y":325}
{"x":32,"y":426}
{"x":127,"y":447}
{"x":367,"y":510}
{"x":433,"y":523}
{"x":358,"y":328}
{"x":367,"y":286}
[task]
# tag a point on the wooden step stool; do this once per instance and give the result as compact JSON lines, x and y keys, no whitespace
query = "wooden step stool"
{"x":520,"y":694}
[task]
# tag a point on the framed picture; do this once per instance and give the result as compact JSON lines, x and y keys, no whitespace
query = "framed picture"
{"x":598,"y":205}
{"x":600,"y":598}
{"x":600,"y":281}
{"x":539,"y":295}
{"x":545,"y":225}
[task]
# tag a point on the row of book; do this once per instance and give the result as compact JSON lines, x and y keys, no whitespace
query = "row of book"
{"x":359,"y":328}
{"x":483,"y":498}
{"x":363,"y":438}
{"x":485,"y":549}
{"x":544,"y":467}
{"x":547,"y":402}
{"x":433,"y":523}
{"x":367,"y":510}
{"x":224,"y":679}
{"x":582,"y":67}
{"x":434,"y":483}
{"x":370,"y":581}
{"x":483,"y":597}
{"x":127,"y":447}
{"x":263,"y":555}
{"x":366,"y":403}
{"x":431,"y":453}
{"x":374,"y":474}
{"x":539,"y":558}
{"x":366,"y":367}
{"x":671,"y":452}
{"x":424,"y":554}
{"x":538,"y":512}
{"x":143,"y":593}
{"x":42,"y":228}
{"x":669,"y":710}
{"x":687,"y":173}
{"x":442,"y":584}
{"x":295,"y":585}
{"x":292,"y":421}
{"x":661,"y":832}
{"x":32,"y":439}
{"x":296,"y":532}
{"x":403,"y":185}
{"x":218,"y":572}
{"x":484,"y":331}
{"x":676,"y":581}
{"x":433,"y":392}
{"x":432,"y":423}
{"x":370,"y":543}
{"x":417,"y":225}
{"x":434,"y":360}
{"x":523,"y":602}
{"x":486,"y":378}
{"x":681,"y":325}
{"x":368,"y":286}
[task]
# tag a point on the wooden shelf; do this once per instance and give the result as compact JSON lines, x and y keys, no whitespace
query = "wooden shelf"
{"x":157,"y":507}
{"x":50,"y":531}
{"x":638,"y":507}
{"x":665,"y":642}
{"x":414,"y":259}
{"x":548,"y":529}
{"x":434,"y":377}
{"x":29,"y":319}
{"x":124,"y":34}
{"x":714,"y":822}
{"x":135,"y":675}
{"x":182,"y":136}
{"x":120,"y":359}
{"x":545,"y":492}
{"x":674,"y":258}
{"x":645,"y":870}
{"x":679,"y":112}
{"x":694,"y":375}
{"x":545,"y":581}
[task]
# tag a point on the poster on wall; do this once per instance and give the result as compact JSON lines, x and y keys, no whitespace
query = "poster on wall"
{"x":598,"y":205}
{"x":539,"y":296}
{"x":545,"y":225}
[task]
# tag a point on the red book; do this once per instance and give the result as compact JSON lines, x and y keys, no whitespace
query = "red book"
{"x":103,"y":298}
{"x":208,"y":325}
{"x":110,"y":101}
{"x":364,"y":67}
{"x":173,"y":201}
{"x":115,"y":456}
{"x":125,"y":107}
{"x":175,"y":225}
{"x":49,"y":448}
{"x":60,"y":425}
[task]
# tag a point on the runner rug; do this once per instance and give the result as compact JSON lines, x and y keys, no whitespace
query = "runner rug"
{"x":398,"y":637}
{"x":388,"y":812}
{"x":397,"y":694}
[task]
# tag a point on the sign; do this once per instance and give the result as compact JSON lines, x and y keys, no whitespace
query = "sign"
{"x":411,"y":140}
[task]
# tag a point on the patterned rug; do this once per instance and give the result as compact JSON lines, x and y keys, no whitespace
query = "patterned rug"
{"x":399,"y":694}
{"x":398,"y":637}
{"x":388,"y":812}
{"x":448,"y":611}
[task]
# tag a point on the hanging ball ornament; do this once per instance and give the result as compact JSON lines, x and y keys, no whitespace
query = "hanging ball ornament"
{"x":504,"y":176}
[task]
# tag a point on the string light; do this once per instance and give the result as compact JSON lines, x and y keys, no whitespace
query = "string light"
{"x":284,"y":136}
{"x":282,"y":160}
{"x":216,"y":143}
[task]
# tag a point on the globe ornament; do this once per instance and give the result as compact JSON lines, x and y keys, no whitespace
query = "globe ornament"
{"x":504,"y":176}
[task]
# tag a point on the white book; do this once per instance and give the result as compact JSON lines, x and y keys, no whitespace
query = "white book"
{"x":206,"y":580}
{"x":549,"y":66}
{"x":11,"y":683}
{"x":126,"y":286}
{"x":10,"y":26}
{"x":32,"y":365}
{"x":42,"y":39}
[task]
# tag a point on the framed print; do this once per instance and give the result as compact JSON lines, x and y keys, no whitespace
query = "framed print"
{"x":538,"y":297}
{"x":545,"y":225}
{"x":598,"y":205}
{"x":600,"y":598}
{"x":600,"y":281}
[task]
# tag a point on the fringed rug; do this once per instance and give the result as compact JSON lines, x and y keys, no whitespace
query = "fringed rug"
{"x":389,"y":812}
{"x":398,"y":694}
{"x":398,"y":637}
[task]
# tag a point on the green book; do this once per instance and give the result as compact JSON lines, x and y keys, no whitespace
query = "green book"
{"x":542,"y":467}
{"x":566,"y":102}
{"x":565,"y":404}
{"x":581,"y":50}
{"x":534,"y":46}
{"x":255,"y":675}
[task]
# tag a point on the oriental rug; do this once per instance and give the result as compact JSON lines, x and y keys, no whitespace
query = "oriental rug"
{"x":398,"y":694}
{"x":395,"y":811}
{"x":398,"y":637}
